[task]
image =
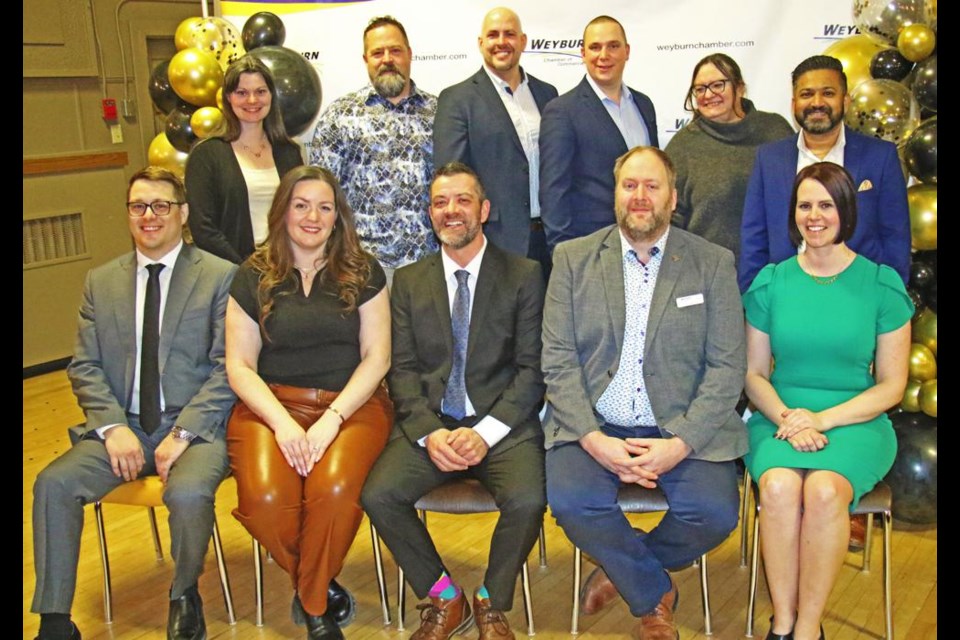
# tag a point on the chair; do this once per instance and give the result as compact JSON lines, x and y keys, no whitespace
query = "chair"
{"x":876,"y":502}
{"x":148,"y":492}
{"x":633,"y":498}
{"x":455,"y":497}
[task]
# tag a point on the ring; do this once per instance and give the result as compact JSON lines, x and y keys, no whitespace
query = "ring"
{"x":315,"y":448}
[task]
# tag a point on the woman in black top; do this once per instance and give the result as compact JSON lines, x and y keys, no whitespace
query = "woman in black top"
{"x":308,"y":345}
{"x":231,"y":178}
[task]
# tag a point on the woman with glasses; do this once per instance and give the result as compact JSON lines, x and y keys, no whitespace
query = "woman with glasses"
{"x":714,"y":152}
{"x":231,"y":178}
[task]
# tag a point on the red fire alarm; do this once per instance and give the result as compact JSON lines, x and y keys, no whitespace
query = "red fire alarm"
{"x":109,"y":109}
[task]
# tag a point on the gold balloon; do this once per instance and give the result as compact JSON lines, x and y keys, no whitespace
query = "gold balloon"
{"x":195,"y":76}
{"x":206,"y":121}
{"x":923,"y":364}
{"x":922,"y":199}
{"x":163,"y":154}
{"x":911,"y":399}
{"x":916,"y":42}
{"x":220,"y":106}
{"x":925,"y":330}
{"x":185,"y":34}
{"x":928,"y":397}
{"x":855,"y":54}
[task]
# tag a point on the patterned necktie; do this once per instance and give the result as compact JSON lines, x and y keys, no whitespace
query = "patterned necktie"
{"x":149,"y":353}
{"x":455,"y":395}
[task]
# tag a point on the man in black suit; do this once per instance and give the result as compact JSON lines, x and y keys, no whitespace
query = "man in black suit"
{"x":585,"y":130}
{"x":491,"y":122}
{"x":466,"y":386}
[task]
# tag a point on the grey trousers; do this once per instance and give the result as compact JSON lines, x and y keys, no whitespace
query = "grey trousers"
{"x":83,"y":475}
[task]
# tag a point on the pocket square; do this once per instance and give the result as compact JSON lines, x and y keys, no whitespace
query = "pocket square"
{"x":866,"y":185}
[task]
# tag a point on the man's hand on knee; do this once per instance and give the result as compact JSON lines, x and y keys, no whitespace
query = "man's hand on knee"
{"x":167,"y":453}
{"x":469,"y":445}
{"x":126,"y":453}
{"x":660,"y":454}
{"x":442,"y":454}
{"x":618,"y":456}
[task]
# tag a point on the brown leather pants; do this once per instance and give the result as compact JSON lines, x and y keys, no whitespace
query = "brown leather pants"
{"x":307,"y":524}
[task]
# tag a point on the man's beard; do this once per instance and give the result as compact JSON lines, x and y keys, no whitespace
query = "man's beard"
{"x":820,"y":126}
{"x":389,"y":85}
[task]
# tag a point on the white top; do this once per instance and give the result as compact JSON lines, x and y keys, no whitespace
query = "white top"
{"x":261,"y":185}
{"x":805,"y":157}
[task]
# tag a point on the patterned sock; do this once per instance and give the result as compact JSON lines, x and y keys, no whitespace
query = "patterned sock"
{"x":482,"y":593}
{"x":444,"y":588}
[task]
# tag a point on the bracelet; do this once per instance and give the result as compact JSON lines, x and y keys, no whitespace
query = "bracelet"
{"x":337,"y":411}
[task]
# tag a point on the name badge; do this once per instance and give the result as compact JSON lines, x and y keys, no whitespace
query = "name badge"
{"x":689,"y":301}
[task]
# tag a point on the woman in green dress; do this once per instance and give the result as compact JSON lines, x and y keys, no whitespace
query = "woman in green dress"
{"x":837,"y":327}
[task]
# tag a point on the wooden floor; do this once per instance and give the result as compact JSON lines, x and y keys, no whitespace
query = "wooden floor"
{"x":140,"y":583}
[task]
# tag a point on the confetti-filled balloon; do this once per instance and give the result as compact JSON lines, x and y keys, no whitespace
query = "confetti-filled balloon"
{"x":884,"y":109}
{"x":185,"y":35}
{"x":882,"y":20}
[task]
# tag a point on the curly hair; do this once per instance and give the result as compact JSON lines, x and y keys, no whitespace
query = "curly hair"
{"x":347,"y":264}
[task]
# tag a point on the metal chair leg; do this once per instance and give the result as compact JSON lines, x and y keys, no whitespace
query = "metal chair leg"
{"x":705,"y":597}
{"x":152,"y":513}
{"x":887,"y":574}
{"x":258,"y":581}
{"x":543,"y":548}
{"x":754,"y":567}
{"x":381,"y":577}
{"x":401,"y":598}
{"x":746,"y":495}
{"x":527,"y":600}
{"x":575,"y":617}
{"x":105,"y":561}
{"x":867,"y":545}
{"x":222,"y":570}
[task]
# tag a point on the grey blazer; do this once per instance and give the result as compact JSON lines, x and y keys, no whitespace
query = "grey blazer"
{"x":193,"y":375}
{"x":694,"y":358}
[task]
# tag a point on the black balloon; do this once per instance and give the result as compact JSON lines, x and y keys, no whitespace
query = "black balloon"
{"x":920,"y":152}
{"x":931,"y":296}
{"x":925,"y":83}
{"x":263,"y":29}
{"x":922,"y":275}
{"x":162,"y":94}
{"x":913,"y":478}
{"x":890,"y":65}
{"x":178,"y":129}
{"x":298,"y":86}
{"x":916,"y":297}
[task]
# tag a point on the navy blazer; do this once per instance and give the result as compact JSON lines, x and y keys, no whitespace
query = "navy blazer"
{"x":883,"y":218}
{"x":473,"y":127}
{"x":579,"y":144}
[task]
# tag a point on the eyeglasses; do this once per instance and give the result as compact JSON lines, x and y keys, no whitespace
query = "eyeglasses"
{"x":160,"y":208}
{"x":716,"y":87}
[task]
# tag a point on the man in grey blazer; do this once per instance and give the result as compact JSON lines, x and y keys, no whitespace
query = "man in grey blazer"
{"x":173,"y":428}
{"x":644,"y":362}
{"x":491,"y":123}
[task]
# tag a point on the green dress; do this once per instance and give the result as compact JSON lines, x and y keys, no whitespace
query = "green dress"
{"x":823,"y":338}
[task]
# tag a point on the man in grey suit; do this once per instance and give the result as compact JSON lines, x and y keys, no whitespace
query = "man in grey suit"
{"x":644,"y":361}
{"x":491,"y":123}
{"x":148,"y":372}
{"x":466,"y":385}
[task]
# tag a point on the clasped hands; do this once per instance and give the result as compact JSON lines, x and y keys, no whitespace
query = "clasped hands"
{"x":126,"y":453}
{"x":457,"y":449}
{"x":303,"y":449}
{"x":635,"y":460}
{"x":803,"y":429}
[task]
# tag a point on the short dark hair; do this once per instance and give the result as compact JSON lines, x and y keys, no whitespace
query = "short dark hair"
{"x":601,"y":19}
{"x":457,"y":168}
{"x":384,"y":21}
{"x":727,"y":67}
{"x":159,"y":174}
{"x":661,"y":154}
{"x":839,"y":184}
{"x":818,"y":63}
{"x":273,"y":123}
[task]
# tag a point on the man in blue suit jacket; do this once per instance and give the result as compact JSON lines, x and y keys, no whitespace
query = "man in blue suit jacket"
{"x":883,"y":221}
{"x":585,"y":130}
{"x":491,"y":123}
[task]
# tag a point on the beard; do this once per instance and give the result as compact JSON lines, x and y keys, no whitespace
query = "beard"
{"x":643,"y":230}
{"x":389,"y":85}
{"x":458,"y":237}
{"x":819,"y":126}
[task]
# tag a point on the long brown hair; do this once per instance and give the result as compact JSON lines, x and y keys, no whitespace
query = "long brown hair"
{"x":730,"y":70}
{"x":348,"y":265}
{"x":273,"y":124}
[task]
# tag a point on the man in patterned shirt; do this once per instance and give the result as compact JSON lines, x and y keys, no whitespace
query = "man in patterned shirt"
{"x":378,"y":141}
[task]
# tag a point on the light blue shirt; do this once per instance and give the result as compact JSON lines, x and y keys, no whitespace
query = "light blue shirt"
{"x":625,"y":115}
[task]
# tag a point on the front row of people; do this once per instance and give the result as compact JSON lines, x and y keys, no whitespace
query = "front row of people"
{"x":638,"y":345}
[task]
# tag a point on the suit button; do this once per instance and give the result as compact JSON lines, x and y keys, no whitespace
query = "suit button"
{"x":609,"y":374}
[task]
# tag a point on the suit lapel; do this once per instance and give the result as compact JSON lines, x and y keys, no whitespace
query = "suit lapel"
{"x":490,"y":274}
{"x":125,"y":314}
{"x":490,"y":97}
{"x":186,"y":272}
{"x":853,"y":157}
{"x":607,"y":128}
{"x":788,"y":173}
{"x":670,"y":269}
{"x":441,"y":303}
{"x":611,"y":268}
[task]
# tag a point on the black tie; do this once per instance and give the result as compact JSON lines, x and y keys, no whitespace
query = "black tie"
{"x":149,"y":353}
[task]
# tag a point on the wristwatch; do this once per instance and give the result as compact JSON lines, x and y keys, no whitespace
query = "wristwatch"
{"x":179,"y":433}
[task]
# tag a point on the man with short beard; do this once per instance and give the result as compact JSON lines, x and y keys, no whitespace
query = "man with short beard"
{"x":378,"y":141}
{"x":466,"y":387}
{"x":643,"y":358}
{"x":820,"y":100}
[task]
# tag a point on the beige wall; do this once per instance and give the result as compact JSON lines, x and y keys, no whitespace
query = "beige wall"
{"x":62,"y":117}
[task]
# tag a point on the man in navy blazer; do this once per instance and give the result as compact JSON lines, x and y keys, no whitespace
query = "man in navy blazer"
{"x":883,"y":221}
{"x":491,"y":123}
{"x":585,"y":130}
{"x":182,"y":440}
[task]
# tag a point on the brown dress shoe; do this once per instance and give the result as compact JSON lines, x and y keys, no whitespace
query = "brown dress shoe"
{"x":442,"y":619}
{"x":597,"y":592}
{"x":493,"y":624}
{"x":659,"y":624}
{"x":858,"y":533}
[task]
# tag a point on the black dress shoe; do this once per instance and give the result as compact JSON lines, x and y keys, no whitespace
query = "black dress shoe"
{"x":323,"y":627}
{"x":341,"y":604}
{"x":186,"y":617}
{"x":74,"y":634}
{"x":778,"y":636}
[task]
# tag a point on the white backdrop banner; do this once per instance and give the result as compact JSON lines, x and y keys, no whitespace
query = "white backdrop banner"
{"x":667,"y":37}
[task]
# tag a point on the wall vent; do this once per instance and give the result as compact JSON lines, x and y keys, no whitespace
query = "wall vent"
{"x":53,"y":239}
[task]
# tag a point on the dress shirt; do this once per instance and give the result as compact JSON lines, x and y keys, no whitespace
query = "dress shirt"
{"x":805,"y":157}
{"x":626,"y":115}
{"x":523,"y":111}
{"x":382,"y":154}
{"x":625,"y":401}
{"x":143,"y":275}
